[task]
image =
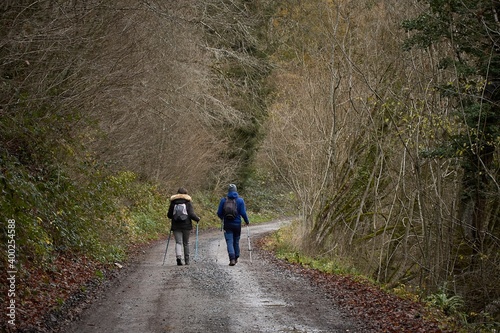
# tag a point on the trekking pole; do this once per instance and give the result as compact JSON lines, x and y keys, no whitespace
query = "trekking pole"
{"x":168,"y":241}
{"x":196,"y":244}
{"x":218,"y":246}
{"x":249,"y":245}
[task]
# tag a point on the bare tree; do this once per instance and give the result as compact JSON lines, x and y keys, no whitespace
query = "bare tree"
{"x":353,"y":118}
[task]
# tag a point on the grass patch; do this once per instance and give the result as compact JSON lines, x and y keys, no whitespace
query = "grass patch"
{"x":283,"y":244}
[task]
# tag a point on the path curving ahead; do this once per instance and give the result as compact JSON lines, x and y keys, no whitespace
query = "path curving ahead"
{"x":211,"y":296}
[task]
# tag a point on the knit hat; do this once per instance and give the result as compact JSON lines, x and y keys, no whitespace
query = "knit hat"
{"x":232,"y":188}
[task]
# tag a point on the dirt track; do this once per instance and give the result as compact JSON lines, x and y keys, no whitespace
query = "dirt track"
{"x":210,"y":296}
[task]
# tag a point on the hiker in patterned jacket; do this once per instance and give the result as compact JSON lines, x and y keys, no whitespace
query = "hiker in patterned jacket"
{"x":231,"y":218}
{"x":182,"y":214}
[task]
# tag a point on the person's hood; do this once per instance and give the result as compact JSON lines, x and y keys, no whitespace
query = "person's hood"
{"x":232,"y":195}
{"x":180,"y":196}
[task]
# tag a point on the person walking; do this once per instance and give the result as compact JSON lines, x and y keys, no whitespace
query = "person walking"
{"x":231,"y":211}
{"x":182,"y":213}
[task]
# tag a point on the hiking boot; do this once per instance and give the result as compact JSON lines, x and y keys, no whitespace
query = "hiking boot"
{"x":179,"y":262}
{"x":236,"y":260}
{"x":232,"y":262}
{"x":186,"y":260}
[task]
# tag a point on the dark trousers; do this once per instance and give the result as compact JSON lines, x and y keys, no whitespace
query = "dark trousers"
{"x":232,"y":236}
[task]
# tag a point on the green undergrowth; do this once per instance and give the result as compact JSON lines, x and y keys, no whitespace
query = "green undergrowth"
{"x":96,"y":215}
{"x":281,"y":244}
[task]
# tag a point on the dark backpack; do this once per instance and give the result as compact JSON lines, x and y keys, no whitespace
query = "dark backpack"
{"x":230,"y":211}
{"x":180,"y":213}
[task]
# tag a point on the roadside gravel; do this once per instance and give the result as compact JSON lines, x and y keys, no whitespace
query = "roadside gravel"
{"x":209,"y":296}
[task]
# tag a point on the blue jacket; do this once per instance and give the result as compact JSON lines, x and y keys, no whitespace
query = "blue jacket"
{"x":240,"y":206}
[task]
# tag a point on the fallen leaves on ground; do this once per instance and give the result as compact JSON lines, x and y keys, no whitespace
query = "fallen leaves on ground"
{"x":43,"y":290}
{"x":384,"y":312}
{"x":46,"y":295}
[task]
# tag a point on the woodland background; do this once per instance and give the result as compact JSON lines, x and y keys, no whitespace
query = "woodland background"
{"x":378,"y":119}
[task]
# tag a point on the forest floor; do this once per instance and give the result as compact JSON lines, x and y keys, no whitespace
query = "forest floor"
{"x":259,"y":294}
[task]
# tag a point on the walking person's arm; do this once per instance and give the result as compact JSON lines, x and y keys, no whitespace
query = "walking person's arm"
{"x":190,"y":210}
{"x":170,"y":213}
{"x":242,"y":210}
{"x":220,"y":210}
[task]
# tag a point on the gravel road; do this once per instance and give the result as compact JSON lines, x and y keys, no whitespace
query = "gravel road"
{"x":211,"y":296}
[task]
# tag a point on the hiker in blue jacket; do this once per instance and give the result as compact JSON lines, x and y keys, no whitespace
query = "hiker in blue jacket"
{"x":182,"y":223}
{"x":232,"y":224}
